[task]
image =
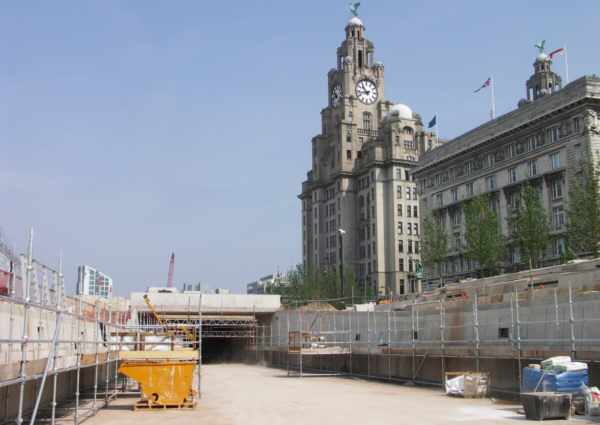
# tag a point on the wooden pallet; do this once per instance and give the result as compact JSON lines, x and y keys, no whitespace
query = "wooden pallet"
{"x":144,"y":405}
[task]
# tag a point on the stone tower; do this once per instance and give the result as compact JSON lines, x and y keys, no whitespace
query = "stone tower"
{"x":543,"y":81}
{"x":360,"y":181}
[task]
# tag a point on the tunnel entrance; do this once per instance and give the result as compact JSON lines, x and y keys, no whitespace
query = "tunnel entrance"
{"x":225,"y":338}
{"x":223,"y":350}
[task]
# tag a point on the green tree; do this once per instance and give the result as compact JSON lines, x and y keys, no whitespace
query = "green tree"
{"x":435,"y":243}
{"x":530,"y":226}
{"x":484,"y":243}
{"x":584,"y":209}
{"x":304,"y":284}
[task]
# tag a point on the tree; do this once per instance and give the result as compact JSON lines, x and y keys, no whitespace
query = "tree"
{"x":584,"y":209}
{"x":310,"y":283}
{"x":435,"y":243}
{"x":484,"y":243}
{"x":530,"y":226}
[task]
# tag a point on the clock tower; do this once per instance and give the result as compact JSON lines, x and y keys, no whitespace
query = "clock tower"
{"x":366,"y":145}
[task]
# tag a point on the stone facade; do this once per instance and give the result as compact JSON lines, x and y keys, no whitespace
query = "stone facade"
{"x":541,"y":142}
{"x":360,"y":179}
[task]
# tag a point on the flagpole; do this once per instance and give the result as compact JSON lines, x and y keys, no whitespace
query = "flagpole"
{"x":493,"y":103}
{"x":566,"y":64}
{"x":437,"y":143}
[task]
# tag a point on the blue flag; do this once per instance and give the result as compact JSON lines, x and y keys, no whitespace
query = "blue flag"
{"x":433,"y":121}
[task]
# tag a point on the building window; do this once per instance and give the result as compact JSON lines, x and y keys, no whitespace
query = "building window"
{"x":400,"y":246}
{"x":557,"y":189}
{"x":454,"y":195}
{"x":416,"y":228}
{"x":494,"y":205}
{"x":512,"y":175}
{"x":511,"y":151}
{"x":348,"y":154}
{"x":415,"y":211}
{"x":366,"y":120}
{"x":439,"y":199}
{"x":398,"y":173}
{"x":401,"y":264}
{"x":576,"y":125}
{"x":454,"y":173}
{"x":531,"y":143}
{"x":469,"y":190}
{"x":558,"y":247}
{"x":399,"y":192}
{"x":408,"y":193}
{"x":414,"y":193}
{"x":407,"y":130}
{"x":442,"y":219}
{"x":490,"y":183}
{"x":410,"y":247}
{"x":559,"y":217}
{"x":407,"y":176}
{"x":399,"y":210}
{"x":399,"y":227}
{"x":348,"y":137}
{"x":456,"y":241}
{"x":533,"y":168}
{"x":438,"y":179}
{"x":408,"y":144}
{"x":408,"y":211}
{"x":489,"y":159}
{"x":555,"y":161}
{"x":469,"y":167}
{"x":408,"y":229}
{"x":397,"y":140}
{"x":416,"y":247}
{"x":410,"y":158}
{"x":516,"y":255}
{"x":350,"y":116}
{"x":456,"y":218}
{"x":552,"y":135}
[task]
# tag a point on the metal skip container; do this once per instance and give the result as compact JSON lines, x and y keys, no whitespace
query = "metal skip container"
{"x":164,"y":383}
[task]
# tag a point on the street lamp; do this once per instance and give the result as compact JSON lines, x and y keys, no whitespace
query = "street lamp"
{"x":341,"y":232}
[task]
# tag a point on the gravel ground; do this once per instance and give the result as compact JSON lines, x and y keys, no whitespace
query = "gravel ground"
{"x":253,"y":395}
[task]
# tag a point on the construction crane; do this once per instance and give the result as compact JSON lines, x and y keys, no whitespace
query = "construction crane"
{"x":171,"y":267}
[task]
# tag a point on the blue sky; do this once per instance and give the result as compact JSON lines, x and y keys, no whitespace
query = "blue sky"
{"x":133,"y":129}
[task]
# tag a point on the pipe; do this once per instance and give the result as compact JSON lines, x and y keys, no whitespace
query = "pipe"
{"x":50,"y":355}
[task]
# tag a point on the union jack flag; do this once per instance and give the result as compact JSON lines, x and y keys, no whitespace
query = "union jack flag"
{"x":487,"y":83}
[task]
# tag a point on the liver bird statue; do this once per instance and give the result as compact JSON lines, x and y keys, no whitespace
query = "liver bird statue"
{"x":541,"y":46}
{"x":353,"y":8}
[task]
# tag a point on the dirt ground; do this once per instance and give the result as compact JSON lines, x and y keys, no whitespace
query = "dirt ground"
{"x":253,"y":395}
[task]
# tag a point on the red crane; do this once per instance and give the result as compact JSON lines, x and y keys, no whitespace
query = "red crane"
{"x":171,"y":267}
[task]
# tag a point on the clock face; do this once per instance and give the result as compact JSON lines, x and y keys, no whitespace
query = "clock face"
{"x":336,"y":95}
{"x":366,"y":91}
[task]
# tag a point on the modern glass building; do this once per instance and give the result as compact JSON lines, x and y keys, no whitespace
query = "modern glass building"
{"x":92,"y":282}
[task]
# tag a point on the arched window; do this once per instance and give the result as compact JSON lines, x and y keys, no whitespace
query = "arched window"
{"x":407,"y":130}
{"x":366,"y":120}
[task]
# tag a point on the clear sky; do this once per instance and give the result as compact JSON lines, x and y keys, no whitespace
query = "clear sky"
{"x":133,"y":129}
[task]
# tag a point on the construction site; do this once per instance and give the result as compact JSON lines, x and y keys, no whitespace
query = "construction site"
{"x":66,"y":358}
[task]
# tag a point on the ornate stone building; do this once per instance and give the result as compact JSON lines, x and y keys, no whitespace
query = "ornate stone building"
{"x":360,"y":181}
{"x":541,"y":142}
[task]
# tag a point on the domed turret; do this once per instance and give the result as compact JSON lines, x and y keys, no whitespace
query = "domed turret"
{"x":355,"y":21}
{"x":399,"y":111}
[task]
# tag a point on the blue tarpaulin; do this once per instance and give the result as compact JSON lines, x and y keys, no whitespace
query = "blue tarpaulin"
{"x":566,"y":382}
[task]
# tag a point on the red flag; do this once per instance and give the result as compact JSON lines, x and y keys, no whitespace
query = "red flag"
{"x":487,"y":83}
{"x":555,"y":52}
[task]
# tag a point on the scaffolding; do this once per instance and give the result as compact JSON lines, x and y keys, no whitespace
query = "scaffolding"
{"x":419,"y":341}
{"x":59,"y":355}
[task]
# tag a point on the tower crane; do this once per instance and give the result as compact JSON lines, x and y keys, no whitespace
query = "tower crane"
{"x":171,"y":267}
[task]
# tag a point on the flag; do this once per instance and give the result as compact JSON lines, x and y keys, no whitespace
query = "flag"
{"x":556,"y":51}
{"x":433,"y":121}
{"x":487,"y":83}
